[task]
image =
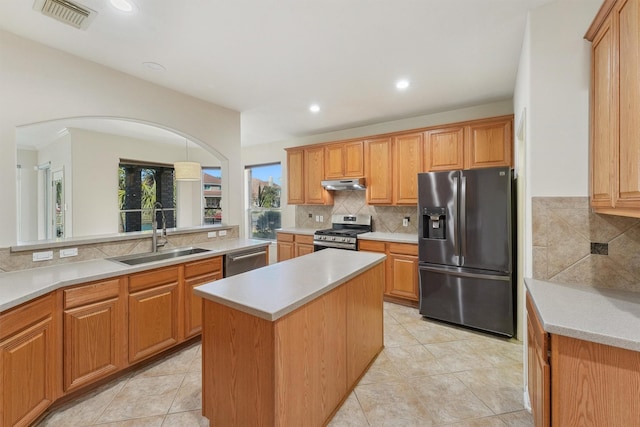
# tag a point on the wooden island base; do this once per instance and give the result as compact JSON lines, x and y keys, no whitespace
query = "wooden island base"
{"x":297,"y":369}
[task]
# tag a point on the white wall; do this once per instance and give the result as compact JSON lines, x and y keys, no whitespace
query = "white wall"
{"x":38,"y":83}
{"x":271,"y":153}
{"x":27,"y":193}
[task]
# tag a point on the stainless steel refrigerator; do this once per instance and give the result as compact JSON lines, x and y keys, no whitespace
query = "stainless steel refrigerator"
{"x":465,"y":248}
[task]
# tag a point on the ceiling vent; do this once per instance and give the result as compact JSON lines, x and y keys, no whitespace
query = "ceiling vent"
{"x":65,"y":11}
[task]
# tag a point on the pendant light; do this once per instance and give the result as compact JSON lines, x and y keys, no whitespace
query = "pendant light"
{"x":186,"y":170}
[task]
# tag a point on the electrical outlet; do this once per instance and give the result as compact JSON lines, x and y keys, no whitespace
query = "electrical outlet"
{"x":405,"y":221}
{"x":212,"y":234}
{"x":222,"y":233}
{"x":42,"y":256}
{"x":310,"y":215}
{"x":321,"y":218}
{"x":317,"y":218}
{"x":64,"y":253}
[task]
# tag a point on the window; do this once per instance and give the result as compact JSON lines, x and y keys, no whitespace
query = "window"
{"x":212,"y":193}
{"x":141,"y":185}
{"x":264,"y":184}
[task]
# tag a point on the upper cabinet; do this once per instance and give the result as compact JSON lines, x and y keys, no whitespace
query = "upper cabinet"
{"x":391,"y":163}
{"x":344,"y":160}
{"x":615,"y":108}
{"x":305,"y":172}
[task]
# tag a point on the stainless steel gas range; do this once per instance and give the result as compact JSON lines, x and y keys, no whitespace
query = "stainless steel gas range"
{"x":343,"y":233}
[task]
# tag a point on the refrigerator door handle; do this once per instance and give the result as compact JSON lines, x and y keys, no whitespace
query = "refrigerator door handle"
{"x":456,"y":249}
{"x":467,"y":274}
{"x":463,"y":219}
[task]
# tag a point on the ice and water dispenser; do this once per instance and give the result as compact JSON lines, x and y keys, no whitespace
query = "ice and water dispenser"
{"x":434,"y":222}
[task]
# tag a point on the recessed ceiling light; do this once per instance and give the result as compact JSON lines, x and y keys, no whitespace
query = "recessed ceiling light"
{"x":154,"y":66}
{"x":122,"y":5}
{"x":402,"y":84}
{"x":314,"y":108}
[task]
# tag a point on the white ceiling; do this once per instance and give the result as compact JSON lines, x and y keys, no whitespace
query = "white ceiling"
{"x":270,"y":59}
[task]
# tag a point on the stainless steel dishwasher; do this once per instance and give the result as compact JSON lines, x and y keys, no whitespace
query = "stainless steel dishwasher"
{"x":244,"y":260}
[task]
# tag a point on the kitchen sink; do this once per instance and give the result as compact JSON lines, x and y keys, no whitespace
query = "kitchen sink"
{"x":144,"y":258}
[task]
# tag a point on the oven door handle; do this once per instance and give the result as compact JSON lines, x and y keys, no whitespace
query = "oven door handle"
{"x":335,"y":245}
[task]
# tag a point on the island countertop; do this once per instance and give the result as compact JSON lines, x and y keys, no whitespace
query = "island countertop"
{"x":278,"y":289}
{"x":17,"y":287}
{"x":603,"y":316}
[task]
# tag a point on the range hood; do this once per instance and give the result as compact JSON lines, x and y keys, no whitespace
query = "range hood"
{"x":344,"y":184}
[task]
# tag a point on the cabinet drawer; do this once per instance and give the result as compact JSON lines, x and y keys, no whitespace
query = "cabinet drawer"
{"x":94,"y":292}
{"x":304,"y":239}
{"x":152,"y":278}
{"x":285,"y":237}
{"x":16,"y":319}
{"x":403,"y":249}
{"x":370,"y":245}
{"x":198,"y":268}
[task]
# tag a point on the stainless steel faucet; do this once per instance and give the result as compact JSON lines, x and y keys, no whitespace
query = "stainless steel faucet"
{"x":155,"y":244}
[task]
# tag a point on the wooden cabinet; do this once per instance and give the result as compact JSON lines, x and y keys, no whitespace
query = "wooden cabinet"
{"x":286,"y":246}
{"x":401,"y":265}
{"x":305,"y":168}
{"x":444,"y":149}
{"x":615,"y":109}
{"x":293,"y":245}
{"x":489,"y":144}
{"x":295,"y":177}
{"x":95,"y":332}
{"x":378,"y":166}
{"x":304,"y":244}
{"x":195,"y":274}
{"x":407,"y":164}
{"x":30,"y":360}
{"x":577,"y":382}
{"x":344,"y":160}
{"x":154,"y":312}
{"x":538,"y":369}
{"x":403,"y":271}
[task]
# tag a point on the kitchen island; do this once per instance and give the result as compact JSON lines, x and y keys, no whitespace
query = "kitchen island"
{"x":284,"y":345}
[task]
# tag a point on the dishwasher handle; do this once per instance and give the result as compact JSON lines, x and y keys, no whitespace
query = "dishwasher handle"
{"x":251,"y":255}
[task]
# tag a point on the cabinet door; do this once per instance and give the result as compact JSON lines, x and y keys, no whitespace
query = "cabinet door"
{"x":354,"y":159}
{"x":197,"y":273}
{"x":302,"y":249}
{"x":538,"y":369}
{"x":334,"y":161}
{"x":295,"y":177}
{"x":378,"y":167}
{"x":444,"y":149}
{"x":94,"y":332}
{"x":285,"y":246}
{"x":489,"y":144}
{"x":628,"y":107}
{"x":314,"y":174}
{"x":403,"y":282}
{"x":153,"y":314}
{"x":407,"y":163}
{"x":28,"y":361}
{"x":603,"y":145}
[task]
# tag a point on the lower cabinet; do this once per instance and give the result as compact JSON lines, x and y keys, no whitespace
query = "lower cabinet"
{"x":580,"y":383}
{"x":29,"y":361}
{"x":293,"y":245}
{"x":153,"y":312}
{"x":401,"y":269}
{"x":95,"y":332}
{"x":195,"y":274}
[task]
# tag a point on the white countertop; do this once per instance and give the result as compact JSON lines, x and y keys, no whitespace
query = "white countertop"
{"x":390,"y":237}
{"x":17,"y":287}
{"x":276,"y":290}
{"x":604,"y":316}
{"x":385,"y":237}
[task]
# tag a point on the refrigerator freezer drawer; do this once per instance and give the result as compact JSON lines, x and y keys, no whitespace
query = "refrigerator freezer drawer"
{"x":481,"y":301}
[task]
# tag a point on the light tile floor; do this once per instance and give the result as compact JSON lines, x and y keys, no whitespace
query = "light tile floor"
{"x":429,"y":374}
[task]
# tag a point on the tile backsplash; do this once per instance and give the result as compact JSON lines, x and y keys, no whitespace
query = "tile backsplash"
{"x":386,"y":219}
{"x":573,"y":245}
{"x":13,"y":261}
